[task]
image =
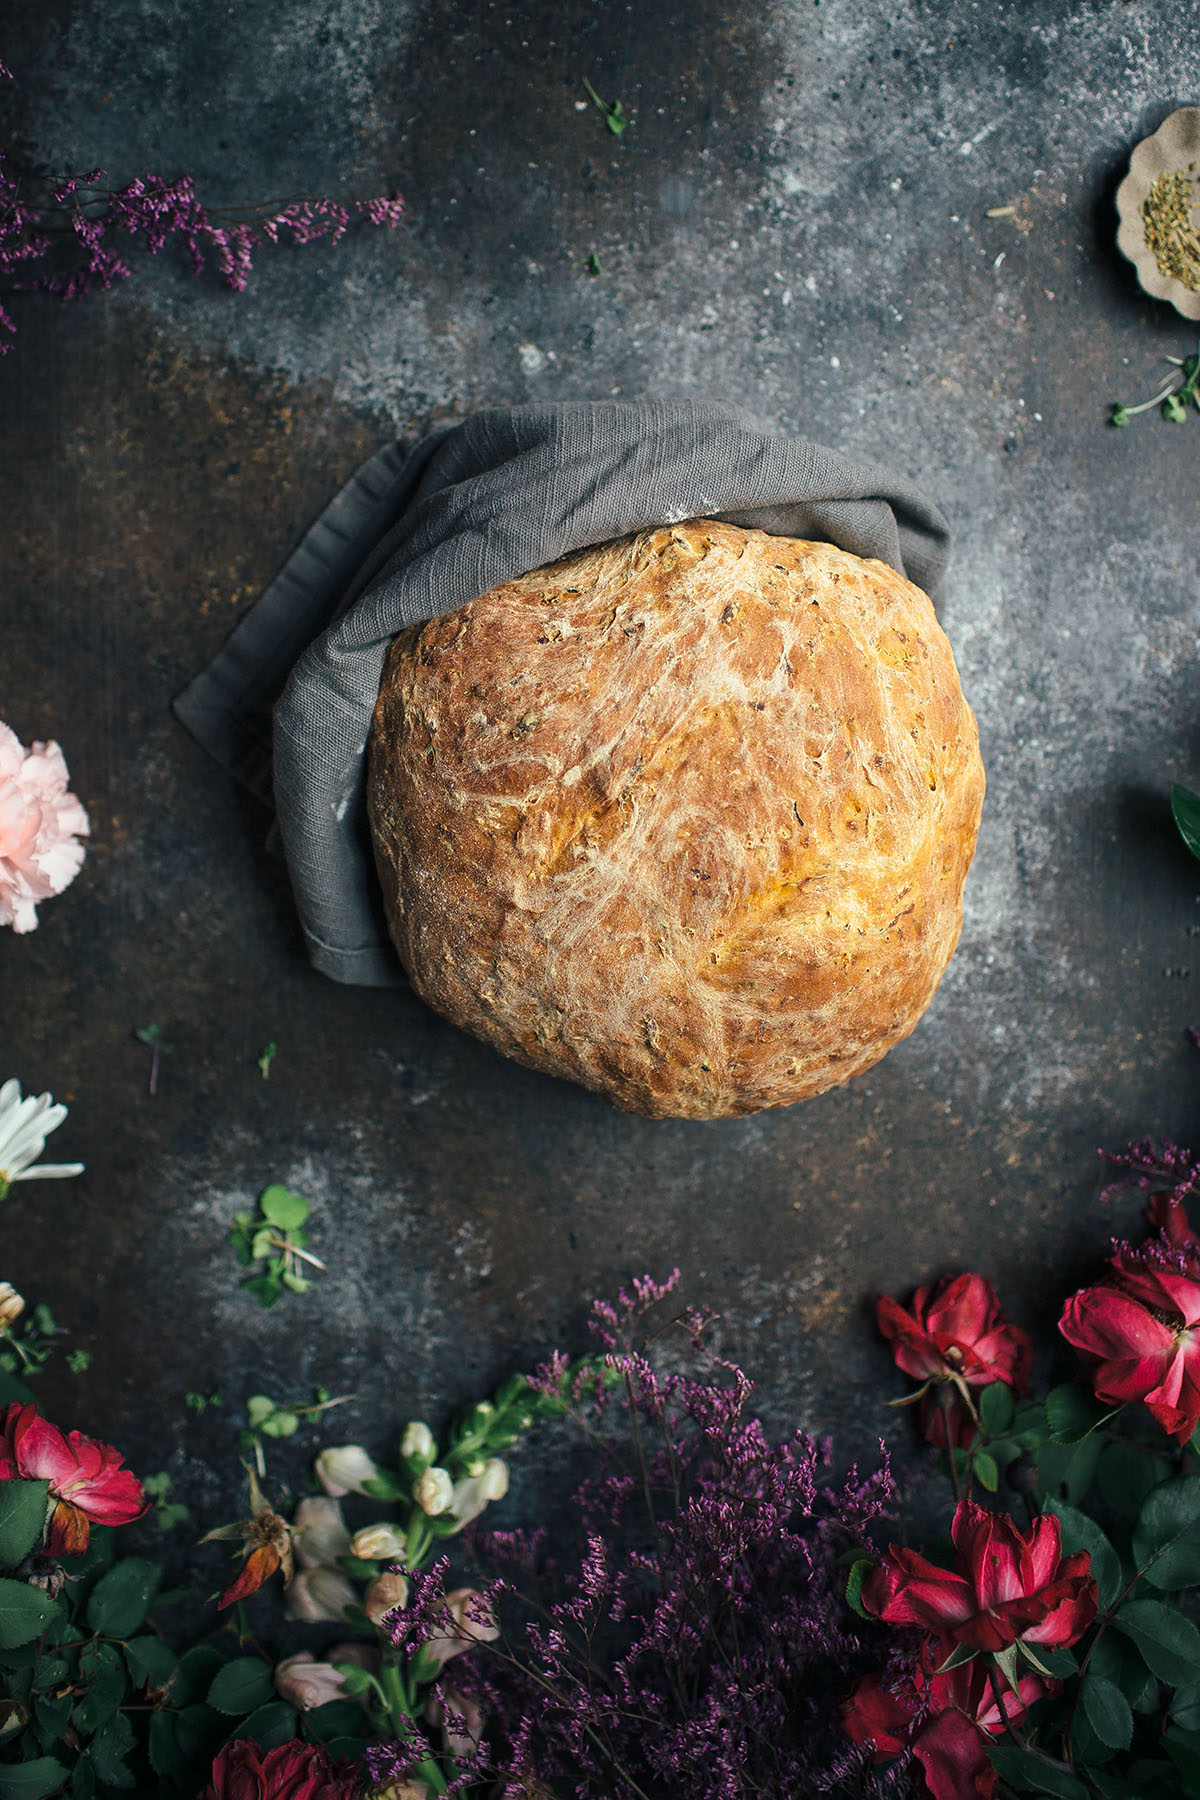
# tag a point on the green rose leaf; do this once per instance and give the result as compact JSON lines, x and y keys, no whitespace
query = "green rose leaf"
{"x":1125,"y":1474}
{"x":1079,"y":1532}
{"x":1166,"y":1538}
{"x":1030,"y":1775}
{"x":986,"y":1472}
{"x":1183,"y":1747}
{"x":1185,"y":809}
{"x":31,"y":1780}
{"x":1073,"y":1412}
{"x":24,"y":1612}
{"x":22,"y":1516}
{"x":151,"y":1662}
{"x":996,"y":1408}
{"x":1168,"y":1641}
{"x":1185,"y":1708}
{"x":1116,"y":1660}
{"x":854,"y":1586}
{"x":242,"y":1686}
{"x":166,"y":1758}
{"x":1107,"y":1711}
{"x":199,"y":1732}
{"x":11,"y":1389}
{"x":194,"y":1676}
{"x":108,"y":1750}
{"x":270,"y":1726}
{"x":118,"y":1604}
{"x":102,"y":1668}
{"x":285,"y":1210}
{"x":340,"y":1719}
{"x":1066,"y":1470}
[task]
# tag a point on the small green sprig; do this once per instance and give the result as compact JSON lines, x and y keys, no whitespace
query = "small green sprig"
{"x":27,"y":1348}
{"x":1173,"y":398}
{"x":614,"y":112}
{"x":266,"y":1057}
{"x":167,"y":1513}
{"x":267,"y":1419}
{"x":151,"y":1035}
{"x":275,"y":1239}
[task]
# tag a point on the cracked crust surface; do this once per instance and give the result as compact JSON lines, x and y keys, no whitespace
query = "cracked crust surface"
{"x":685,"y":817}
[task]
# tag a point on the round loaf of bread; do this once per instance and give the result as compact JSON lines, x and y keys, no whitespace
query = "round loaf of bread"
{"x":685,"y":817}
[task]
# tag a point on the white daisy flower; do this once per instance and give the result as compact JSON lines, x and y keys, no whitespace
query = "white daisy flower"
{"x":24,"y":1127}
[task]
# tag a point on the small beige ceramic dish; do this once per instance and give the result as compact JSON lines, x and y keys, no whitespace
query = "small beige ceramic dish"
{"x":1158,"y":204}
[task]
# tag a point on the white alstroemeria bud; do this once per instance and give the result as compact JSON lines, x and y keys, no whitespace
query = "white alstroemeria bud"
{"x":378,"y":1543}
{"x":344,"y":1468}
{"x":319,"y":1595}
{"x":472,"y":1495}
{"x":434,"y":1491}
{"x":304,"y":1683}
{"x":319,"y":1534}
{"x":418,"y":1442}
{"x":11,"y":1305}
{"x":385,"y":1593}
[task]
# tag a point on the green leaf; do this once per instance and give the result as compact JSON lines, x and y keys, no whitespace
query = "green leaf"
{"x":166,"y":1758}
{"x":1030,"y":1775}
{"x":986,"y":1472}
{"x":270,"y":1726}
{"x":24,"y":1612}
{"x":151,"y":1662}
{"x":22,"y":1517}
{"x":296,"y":1284}
{"x":193,"y":1678}
{"x":11,"y":1389}
{"x":386,"y":1487}
{"x":1166,"y":1538}
{"x":31,"y":1780}
{"x":108,"y":1750}
{"x":262,"y":1244}
{"x":286,"y":1210}
{"x":266,"y":1288}
{"x":280,"y":1424}
{"x":859,"y":1571}
{"x":1066,"y":1470}
{"x":1073,"y":1412}
{"x":242,"y":1686}
{"x":1117,"y":1660}
{"x":102,"y":1668}
{"x":996,"y":1408}
{"x":1185,"y":810}
{"x":83,"y":1780}
{"x":336,"y":1719}
{"x":120,"y":1600}
{"x":1185,"y":1708}
{"x":199,"y":1732}
{"x":1183,"y":1747}
{"x":1107,"y":1711}
{"x":1080,"y":1532}
{"x":1169,"y":1642}
{"x":1125,"y":1474}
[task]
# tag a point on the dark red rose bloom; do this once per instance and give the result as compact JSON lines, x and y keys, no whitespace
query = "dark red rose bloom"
{"x":955,"y":1337}
{"x":292,"y":1771}
{"x":88,"y":1480}
{"x":1008,"y":1585}
{"x":945,"y":1720}
{"x":1140,"y":1327}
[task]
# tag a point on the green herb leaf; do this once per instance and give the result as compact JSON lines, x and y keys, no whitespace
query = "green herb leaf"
{"x":24,"y":1612}
{"x":284,"y":1209}
{"x":242,"y":1686}
{"x":22,"y":1517}
{"x":1185,"y":809}
{"x":1107,"y":1711}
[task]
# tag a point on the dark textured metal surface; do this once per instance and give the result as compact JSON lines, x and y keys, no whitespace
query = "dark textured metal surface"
{"x":797,"y":218}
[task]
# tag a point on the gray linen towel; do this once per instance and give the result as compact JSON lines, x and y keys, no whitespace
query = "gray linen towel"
{"x":420,"y":532}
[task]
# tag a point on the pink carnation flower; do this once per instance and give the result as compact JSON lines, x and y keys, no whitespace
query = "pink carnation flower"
{"x":40,"y":827}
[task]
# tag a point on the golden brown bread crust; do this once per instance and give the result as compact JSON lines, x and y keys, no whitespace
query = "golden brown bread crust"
{"x":684,"y":817}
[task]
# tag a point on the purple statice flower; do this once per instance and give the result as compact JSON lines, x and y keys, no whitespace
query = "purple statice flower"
{"x":80,"y":224}
{"x":695,"y":1644}
{"x":1155,"y":1166}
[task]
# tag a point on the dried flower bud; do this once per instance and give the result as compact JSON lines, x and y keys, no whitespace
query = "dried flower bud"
{"x":319,"y":1596}
{"x":344,"y":1468}
{"x":304,"y":1683}
{"x":418,"y":1443}
{"x":434,"y":1491}
{"x":471,"y":1496}
{"x":378,"y":1543}
{"x":11,"y":1305}
{"x":385,"y":1593}
{"x":319,"y":1534}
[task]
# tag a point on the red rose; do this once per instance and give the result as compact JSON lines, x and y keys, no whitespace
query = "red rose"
{"x":1141,"y":1331}
{"x":88,"y":1480}
{"x":1007,"y":1585}
{"x":953,"y":1338}
{"x":945,"y":1720}
{"x":292,"y":1771}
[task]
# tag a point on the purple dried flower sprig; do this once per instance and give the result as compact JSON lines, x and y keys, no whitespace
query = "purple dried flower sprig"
{"x":42,"y":213}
